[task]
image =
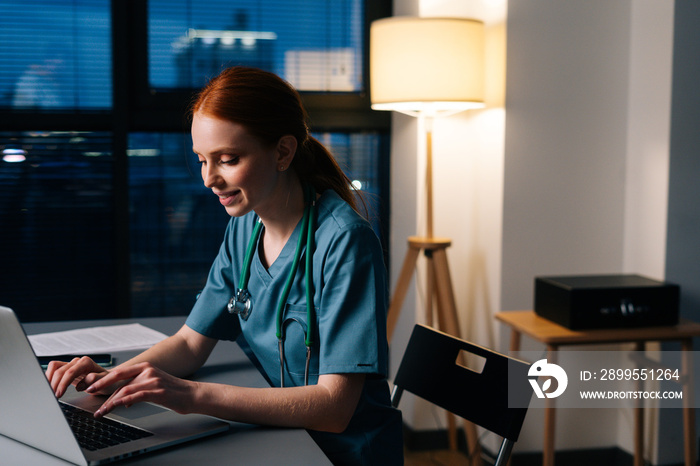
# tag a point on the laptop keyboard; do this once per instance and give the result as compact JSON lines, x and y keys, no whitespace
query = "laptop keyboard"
{"x":95,"y":434}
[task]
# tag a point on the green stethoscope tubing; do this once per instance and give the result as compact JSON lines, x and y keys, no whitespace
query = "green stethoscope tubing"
{"x":245,"y":270}
{"x":306,"y":235}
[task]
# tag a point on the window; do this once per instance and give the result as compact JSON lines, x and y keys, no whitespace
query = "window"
{"x":320,"y":50}
{"x":176,"y":225}
{"x":55,"y":54}
{"x":56,"y":240}
{"x":102,"y":208}
{"x":360,"y":156}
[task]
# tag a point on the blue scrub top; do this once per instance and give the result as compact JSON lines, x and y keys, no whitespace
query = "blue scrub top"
{"x":350,"y":301}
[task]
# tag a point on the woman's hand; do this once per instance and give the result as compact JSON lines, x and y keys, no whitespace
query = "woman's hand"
{"x":81,"y":372}
{"x":144,"y":382}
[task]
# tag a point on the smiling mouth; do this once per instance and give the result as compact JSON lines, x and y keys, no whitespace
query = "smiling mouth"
{"x":228,"y":197}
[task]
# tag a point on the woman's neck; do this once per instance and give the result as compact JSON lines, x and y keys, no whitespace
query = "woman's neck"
{"x":281,"y":220}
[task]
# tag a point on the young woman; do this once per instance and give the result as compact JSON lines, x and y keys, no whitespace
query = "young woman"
{"x":299,"y":280}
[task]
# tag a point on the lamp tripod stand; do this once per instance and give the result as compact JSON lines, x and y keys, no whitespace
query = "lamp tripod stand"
{"x":438,"y":290}
{"x":439,"y":284}
{"x":427,"y":67}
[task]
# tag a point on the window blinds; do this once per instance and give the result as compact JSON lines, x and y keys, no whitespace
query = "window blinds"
{"x":314,"y":44}
{"x":55,"y":54}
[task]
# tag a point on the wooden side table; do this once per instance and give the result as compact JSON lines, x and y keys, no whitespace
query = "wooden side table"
{"x":554,"y":336}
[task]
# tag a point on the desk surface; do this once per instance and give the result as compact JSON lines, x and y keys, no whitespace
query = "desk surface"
{"x":244,"y":444}
{"x":550,"y":333}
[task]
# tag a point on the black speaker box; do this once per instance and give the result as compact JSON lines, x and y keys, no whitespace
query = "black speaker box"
{"x":606,"y":301}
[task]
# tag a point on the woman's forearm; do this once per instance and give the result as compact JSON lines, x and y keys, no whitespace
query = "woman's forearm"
{"x":327,"y":406}
{"x":179,"y":355}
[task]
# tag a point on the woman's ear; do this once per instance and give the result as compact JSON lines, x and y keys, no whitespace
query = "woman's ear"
{"x":286,"y":149}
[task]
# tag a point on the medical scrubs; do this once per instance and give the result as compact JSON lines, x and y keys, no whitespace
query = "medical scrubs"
{"x":350,"y":300}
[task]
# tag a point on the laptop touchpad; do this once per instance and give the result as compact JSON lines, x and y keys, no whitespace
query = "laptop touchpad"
{"x":138,"y":410}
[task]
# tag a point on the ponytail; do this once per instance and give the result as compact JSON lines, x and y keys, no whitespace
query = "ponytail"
{"x":315,"y":165}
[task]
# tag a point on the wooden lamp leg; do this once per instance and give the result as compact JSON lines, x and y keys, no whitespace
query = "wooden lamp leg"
{"x":439,"y":287}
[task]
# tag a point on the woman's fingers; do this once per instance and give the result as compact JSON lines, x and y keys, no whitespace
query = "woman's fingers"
{"x":88,"y":380}
{"x":61,"y":374}
{"x":145,"y":383}
{"x":116,"y":375}
{"x":126,"y":395}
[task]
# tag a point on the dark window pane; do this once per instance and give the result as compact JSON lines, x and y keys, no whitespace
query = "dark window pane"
{"x":56,"y":217}
{"x":176,"y":224}
{"x":316,"y":44}
{"x":359,"y":155}
{"x":55,"y":54}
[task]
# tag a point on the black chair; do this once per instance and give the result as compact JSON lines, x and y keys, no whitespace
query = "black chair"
{"x":496,"y":398}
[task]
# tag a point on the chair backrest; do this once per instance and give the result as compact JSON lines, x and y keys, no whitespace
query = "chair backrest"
{"x":430,"y":368}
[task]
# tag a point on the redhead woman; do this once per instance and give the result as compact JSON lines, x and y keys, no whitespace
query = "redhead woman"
{"x":299,"y":280}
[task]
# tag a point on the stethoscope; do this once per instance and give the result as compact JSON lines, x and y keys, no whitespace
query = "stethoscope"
{"x":241,"y":304}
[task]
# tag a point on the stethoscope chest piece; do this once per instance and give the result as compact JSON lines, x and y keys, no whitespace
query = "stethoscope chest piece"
{"x":240,"y":304}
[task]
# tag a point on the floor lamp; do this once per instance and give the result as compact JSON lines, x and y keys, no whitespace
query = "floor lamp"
{"x":428,"y":68}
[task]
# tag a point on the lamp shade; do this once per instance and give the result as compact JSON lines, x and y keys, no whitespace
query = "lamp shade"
{"x":426,"y":64}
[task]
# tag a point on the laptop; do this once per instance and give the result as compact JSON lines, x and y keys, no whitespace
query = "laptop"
{"x":31,"y":414}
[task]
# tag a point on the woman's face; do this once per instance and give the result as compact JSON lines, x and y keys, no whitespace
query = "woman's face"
{"x":236,"y":166}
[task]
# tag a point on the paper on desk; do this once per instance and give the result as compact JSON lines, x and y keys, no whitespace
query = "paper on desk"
{"x":95,"y":340}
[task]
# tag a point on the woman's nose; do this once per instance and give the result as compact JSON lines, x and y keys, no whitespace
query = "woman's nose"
{"x":209,"y":176}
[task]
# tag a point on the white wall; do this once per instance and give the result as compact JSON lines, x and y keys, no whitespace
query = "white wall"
{"x":648,"y":137}
{"x":586,"y":160}
{"x":565,"y":141}
{"x":404,"y":219}
{"x":565,"y":158}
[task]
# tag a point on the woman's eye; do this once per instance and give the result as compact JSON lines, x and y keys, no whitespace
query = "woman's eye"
{"x":229,"y":161}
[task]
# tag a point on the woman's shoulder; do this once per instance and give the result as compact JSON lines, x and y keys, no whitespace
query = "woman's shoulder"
{"x":343,"y":233}
{"x":335,"y":213}
{"x":339,"y":226}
